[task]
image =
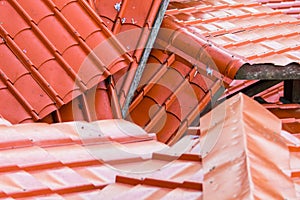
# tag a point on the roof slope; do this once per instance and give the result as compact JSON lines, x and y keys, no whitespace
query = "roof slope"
{"x":171,"y":95}
{"x":250,"y":33}
{"x":42,"y":71}
{"x":131,"y":22}
{"x":82,"y":160}
{"x":117,"y":159}
{"x":290,"y":7}
{"x":245,"y":138}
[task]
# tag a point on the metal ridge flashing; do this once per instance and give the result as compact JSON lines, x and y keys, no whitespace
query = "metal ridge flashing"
{"x":140,"y":69}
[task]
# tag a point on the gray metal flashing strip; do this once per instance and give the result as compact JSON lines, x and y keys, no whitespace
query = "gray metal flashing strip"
{"x":145,"y":56}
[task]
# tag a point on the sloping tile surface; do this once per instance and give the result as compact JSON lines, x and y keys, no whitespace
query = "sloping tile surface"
{"x":271,"y":99}
{"x":171,"y":95}
{"x":45,"y":68}
{"x":250,"y":33}
{"x":90,"y":160}
{"x":131,"y":22}
{"x":244,"y":147}
{"x":290,"y":7}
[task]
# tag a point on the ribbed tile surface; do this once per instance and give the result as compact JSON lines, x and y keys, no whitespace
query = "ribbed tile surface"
{"x":44,"y":68}
{"x":242,"y":142}
{"x":290,"y":7}
{"x":249,"y":32}
{"x":131,"y":22}
{"x":86,"y":160}
{"x":171,"y":95}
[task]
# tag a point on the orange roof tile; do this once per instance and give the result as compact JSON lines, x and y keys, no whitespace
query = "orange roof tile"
{"x":42,"y":70}
{"x":79,"y":159}
{"x":238,"y":153}
{"x":171,"y":95}
{"x":272,"y":99}
{"x":290,"y":7}
{"x":131,"y":22}
{"x":238,"y":31}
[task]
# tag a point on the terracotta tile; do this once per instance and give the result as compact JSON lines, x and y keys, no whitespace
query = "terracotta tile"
{"x":8,"y":12}
{"x":20,"y":184}
{"x":59,"y":168}
{"x":9,"y":60}
{"x":131,"y":22}
{"x":107,"y":10}
{"x":6,"y":109}
{"x":34,"y":158}
{"x":166,"y":127}
{"x":241,"y":30}
{"x":82,"y":23}
{"x":62,"y":180}
{"x":183,"y":194}
{"x":36,"y":96}
{"x":262,"y":139}
{"x":72,"y":111}
{"x":44,"y":55}
{"x":289,"y":7}
{"x":101,"y":110}
{"x":146,"y":104}
{"x":53,"y":73}
{"x":95,"y":38}
{"x":71,"y":155}
{"x":33,"y":47}
{"x":36,"y":12}
{"x":43,"y":135}
{"x":61,"y":41}
{"x":99,"y":175}
{"x":11,"y":138}
{"x":135,"y":13}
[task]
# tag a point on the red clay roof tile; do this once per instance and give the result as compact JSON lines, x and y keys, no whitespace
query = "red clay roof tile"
{"x":288,"y":113}
{"x":244,"y":147}
{"x":172,"y":94}
{"x":66,"y":161}
{"x":290,"y":7}
{"x":131,"y":21}
{"x":41,"y":59}
{"x":250,"y":33}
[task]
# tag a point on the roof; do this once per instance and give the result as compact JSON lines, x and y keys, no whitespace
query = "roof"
{"x":116,"y":159}
{"x":85,"y":160}
{"x":272,"y":99}
{"x":171,"y":95}
{"x":290,"y":7}
{"x":238,"y":140}
{"x":215,"y":38}
{"x":131,"y":22}
{"x":42,"y":72}
{"x":240,"y":32}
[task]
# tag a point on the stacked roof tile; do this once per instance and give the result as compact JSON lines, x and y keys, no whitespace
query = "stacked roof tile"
{"x":71,"y":160}
{"x":242,"y":142}
{"x":65,"y":161}
{"x":171,"y":95}
{"x":290,"y":7}
{"x":256,"y":33}
{"x":76,"y":60}
{"x":84,"y":53}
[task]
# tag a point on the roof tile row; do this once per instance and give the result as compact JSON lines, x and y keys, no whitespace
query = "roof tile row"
{"x":256,"y":33}
{"x":78,"y":55}
{"x":290,"y":7}
{"x":72,"y":159}
{"x":173,"y":93}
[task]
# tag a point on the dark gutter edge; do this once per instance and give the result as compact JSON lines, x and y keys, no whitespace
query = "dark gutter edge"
{"x":139,"y":72}
{"x":268,"y":71}
{"x":253,"y":89}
